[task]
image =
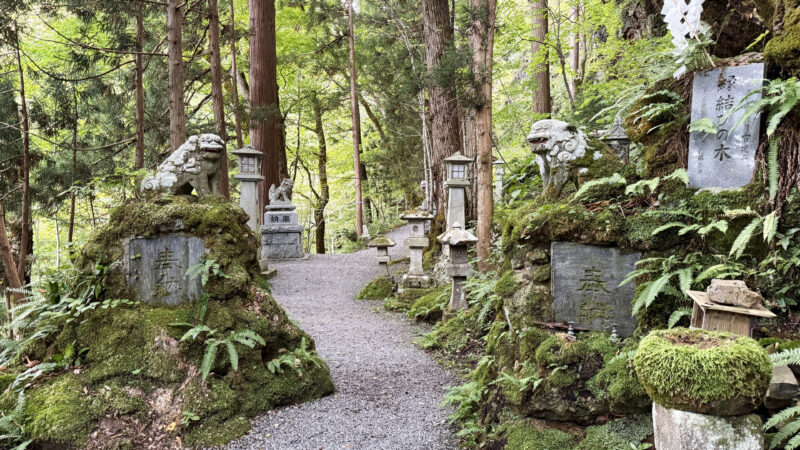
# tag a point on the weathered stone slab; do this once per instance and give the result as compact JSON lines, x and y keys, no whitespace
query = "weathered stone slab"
{"x":585,"y":280}
{"x":725,"y":159}
{"x":782,"y":388}
{"x":156,"y":268}
{"x":683,"y":430}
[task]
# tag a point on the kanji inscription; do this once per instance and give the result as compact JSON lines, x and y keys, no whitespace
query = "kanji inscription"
{"x":724,"y":159}
{"x":156,"y":268}
{"x":585,"y":283}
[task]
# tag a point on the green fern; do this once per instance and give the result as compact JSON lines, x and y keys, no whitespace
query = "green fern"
{"x":788,"y":424}
{"x":744,"y":237}
{"x":785,"y":357}
{"x":12,"y":433}
{"x":677,"y":315}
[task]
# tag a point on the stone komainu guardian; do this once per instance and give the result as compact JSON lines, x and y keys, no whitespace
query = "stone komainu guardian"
{"x":283,"y":193}
{"x":195,"y":165}
{"x":556,"y":145}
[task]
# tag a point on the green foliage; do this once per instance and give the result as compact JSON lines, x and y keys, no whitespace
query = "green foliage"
{"x":296,"y":360}
{"x":615,"y":179}
{"x":662,"y":111}
{"x":377,"y":289}
{"x":247,"y":338}
{"x":12,"y":434}
{"x":787,"y":424}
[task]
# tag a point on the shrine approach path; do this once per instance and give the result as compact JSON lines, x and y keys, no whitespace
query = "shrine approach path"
{"x":388,"y":391}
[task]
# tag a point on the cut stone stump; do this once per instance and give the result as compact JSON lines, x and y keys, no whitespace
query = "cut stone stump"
{"x":782,"y":388}
{"x":682,"y":430}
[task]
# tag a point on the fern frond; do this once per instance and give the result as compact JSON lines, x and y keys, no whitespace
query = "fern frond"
{"x":772,"y":168}
{"x":614,"y":179}
{"x":233,"y":355}
{"x":785,"y":358}
{"x":744,"y":237}
{"x":784,"y":433}
{"x":677,"y":315}
{"x":209,"y":357}
{"x":782,"y":416}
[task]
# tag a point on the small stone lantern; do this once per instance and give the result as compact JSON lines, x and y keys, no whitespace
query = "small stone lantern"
{"x":457,"y":182}
{"x":459,"y":269}
{"x":499,"y":173}
{"x":617,"y":139}
{"x":382,"y":243}
{"x":416,"y":243}
{"x":250,"y":176}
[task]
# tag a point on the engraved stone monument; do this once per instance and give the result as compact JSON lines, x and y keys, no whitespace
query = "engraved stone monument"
{"x":585,"y":283}
{"x":156,"y":267}
{"x":281,"y":234}
{"x":725,"y":159}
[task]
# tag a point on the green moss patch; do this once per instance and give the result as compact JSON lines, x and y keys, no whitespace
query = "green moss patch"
{"x":429,"y":307}
{"x":377,"y":289}
{"x":701,"y":371}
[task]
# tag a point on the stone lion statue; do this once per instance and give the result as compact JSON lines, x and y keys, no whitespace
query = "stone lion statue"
{"x":283,"y":193}
{"x":556,"y":145}
{"x":193,"y":166}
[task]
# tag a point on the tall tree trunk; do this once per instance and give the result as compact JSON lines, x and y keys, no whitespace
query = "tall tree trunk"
{"x":322,"y":169}
{"x":139,"y":162}
{"x":217,"y":100}
{"x":541,"y":74}
{"x":25,"y":229}
{"x":177,"y":115}
{"x":12,"y":278}
{"x":575,"y":55}
{"x":445,"y":128}
{"x":481,"y":40}
{"x":266,"y":123}
{"x":356,"y":118}
{"x":71,"y":227}
{"x":235,"y":81}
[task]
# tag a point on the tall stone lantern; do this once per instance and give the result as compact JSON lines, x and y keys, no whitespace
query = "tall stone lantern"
{"x":499,"y":173}
{"x":416,"y":243}
{"x":250,"y":176}
{"x":457,"y":184}
{"x":459,"y":269}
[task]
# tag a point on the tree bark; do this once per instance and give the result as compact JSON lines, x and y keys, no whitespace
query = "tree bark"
{"x":445,"y":127}
{"x":71,"y":228}
{"x":575,"y":55}
{"x":481,"y":41}
{"x":266,"y":123}
{"x":9,"y":268}
{"x":177,"y":115}
{"x":139,"y":162}
{"x":25,"y":229}
{"x":217,"y":101}
{"x":322,"y":169}
{"x":541,"y":74}
{"x":235,"y":81}
{"x":356,"y":119}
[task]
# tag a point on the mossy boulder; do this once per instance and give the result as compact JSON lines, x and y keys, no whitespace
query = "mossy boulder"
{"x":430,"y":307}
{"x":784,"y":49}
{"x":377,"y":289}
{"x":523,"y":435}
{"x":702,"y":371}
{"x":619,"y":386}
{"x":136,"y":380}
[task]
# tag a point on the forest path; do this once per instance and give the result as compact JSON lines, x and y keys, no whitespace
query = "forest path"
{"x":388,"y":391}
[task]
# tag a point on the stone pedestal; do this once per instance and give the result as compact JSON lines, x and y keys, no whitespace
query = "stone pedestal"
{"x":382,"y":244}
{"x":682,"y":430}
{"x":156,"y":267}
{"x":416,"y":243}
{"x":249,"y":198}
{"x":456,"y":201}
{"x":281,"y":234}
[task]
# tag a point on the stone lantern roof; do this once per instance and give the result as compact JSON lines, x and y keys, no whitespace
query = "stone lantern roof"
{"x":248,"y":150}
{"x":382,"y":241}
{"x":416,"y":214}
{"x":457,"y":236}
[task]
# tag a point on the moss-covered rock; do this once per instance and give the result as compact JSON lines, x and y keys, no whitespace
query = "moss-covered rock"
{"x":522,"y":435}
{"x":377,"y":289}
{"x":136,"y":374}
{"x":783,"y":50}
{"x":702,"y":371}
{"x":429,"y":307}
{"x":619,"y":386}
{"x":403,"y":301}
{"x":623,"y":433}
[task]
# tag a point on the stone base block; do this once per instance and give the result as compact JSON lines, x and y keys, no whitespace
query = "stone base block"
{"x":683,"y":430}
{"x":284,"y":242}
{"x":415,"y":281}
{"x":782,"y":388}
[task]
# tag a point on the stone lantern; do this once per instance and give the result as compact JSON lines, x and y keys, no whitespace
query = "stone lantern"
{"x":416,"y":243}
{"x":382,"y":243}
{"x":617,"y":139}
{"x":250,"y":176}
{"x":457,"y":183}
{"x":499,"y":172}
{"x":459,"y":269}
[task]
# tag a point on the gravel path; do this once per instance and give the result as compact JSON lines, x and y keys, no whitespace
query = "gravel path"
{"x":387,"y":390}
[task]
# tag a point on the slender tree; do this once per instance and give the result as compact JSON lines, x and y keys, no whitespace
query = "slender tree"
{"x":218,"y":104}
{"x":322,"y":170}
{"x":177,"y":115}
{"x":541,"y":73}
{"x":234,"y":79}
{"x":139,"y":86}
{"x":356,"y":119}
{"x":266,"y":123}
{"x":481,"y":42}
{"x":25,"y":240}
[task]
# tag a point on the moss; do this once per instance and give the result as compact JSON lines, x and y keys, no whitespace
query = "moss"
{"x":429,"y":307}
{"x":618,"y":385}
{"x":506,"y":285}
{"x":449,"y":336}
{"x":639,"y":230}
{"x":623,"y":433}
{"x":766,"y":342}
{"x":216,"y":433}
{"x":5,"y":380}
{"x":377,"y":289}
{"x":784,"y":49}
{"x":702,"y":371}
{"x":58,"y":411}
{"x":403,"y":301}
{"x":522,"y":435}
